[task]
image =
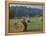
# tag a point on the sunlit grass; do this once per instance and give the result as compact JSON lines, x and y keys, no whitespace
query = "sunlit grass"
{"x":35,"y":25}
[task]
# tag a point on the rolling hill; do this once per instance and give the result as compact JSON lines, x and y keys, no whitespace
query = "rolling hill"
{"x":24,"y":11}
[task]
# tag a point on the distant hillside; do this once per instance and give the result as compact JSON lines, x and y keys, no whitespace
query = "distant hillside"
{"x":24,"y":11}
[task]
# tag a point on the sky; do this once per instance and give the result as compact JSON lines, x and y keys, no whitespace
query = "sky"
{"x":28,"y":6}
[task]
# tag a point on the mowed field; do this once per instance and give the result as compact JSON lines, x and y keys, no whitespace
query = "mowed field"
{"x":35,"y":25}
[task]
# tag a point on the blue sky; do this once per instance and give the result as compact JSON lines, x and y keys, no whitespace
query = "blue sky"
{"x":28,"y":6}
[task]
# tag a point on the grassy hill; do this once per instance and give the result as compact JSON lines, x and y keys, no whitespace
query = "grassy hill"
{"x":23,"y":11}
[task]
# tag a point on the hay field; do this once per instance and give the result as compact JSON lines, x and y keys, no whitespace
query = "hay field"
{"x":35,"y":25}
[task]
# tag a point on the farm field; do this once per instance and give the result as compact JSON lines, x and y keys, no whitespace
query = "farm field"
{"x":35,"y":25}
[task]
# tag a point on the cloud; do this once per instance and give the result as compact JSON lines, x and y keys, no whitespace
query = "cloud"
{"x":28,"y":6}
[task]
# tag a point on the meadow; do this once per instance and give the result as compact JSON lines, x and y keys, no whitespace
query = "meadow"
{"x":35,"y":25}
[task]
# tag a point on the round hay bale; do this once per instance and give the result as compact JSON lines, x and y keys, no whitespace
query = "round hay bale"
{"x":19,"y":27}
